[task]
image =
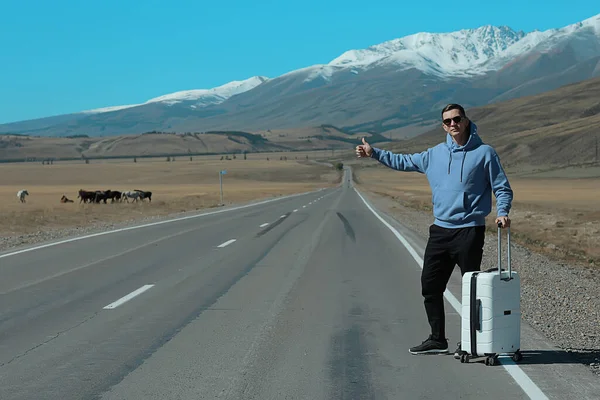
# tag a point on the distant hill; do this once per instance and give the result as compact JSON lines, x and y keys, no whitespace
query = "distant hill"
{"x":550,"y":130}
{"x":20,"y":147}
{"x":556,"y":128}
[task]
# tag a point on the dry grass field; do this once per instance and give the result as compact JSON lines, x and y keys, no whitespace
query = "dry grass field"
{"x":559,"y":216}
{"x":177,"y":186}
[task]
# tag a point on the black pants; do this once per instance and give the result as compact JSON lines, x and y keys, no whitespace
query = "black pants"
{"x":445,"y":249}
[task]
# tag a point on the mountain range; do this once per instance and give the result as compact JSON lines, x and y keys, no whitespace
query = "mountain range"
{"x":395,"y":88}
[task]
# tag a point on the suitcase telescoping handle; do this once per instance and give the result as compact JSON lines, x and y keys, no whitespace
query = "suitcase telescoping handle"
{"x":500,"y":251}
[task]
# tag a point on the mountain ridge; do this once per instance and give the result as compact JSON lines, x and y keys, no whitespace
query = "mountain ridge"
{"x":365,"y":88}
{"x":554,"y":129}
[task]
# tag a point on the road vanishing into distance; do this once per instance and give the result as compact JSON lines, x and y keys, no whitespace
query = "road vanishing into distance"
{"x":311,"y":296}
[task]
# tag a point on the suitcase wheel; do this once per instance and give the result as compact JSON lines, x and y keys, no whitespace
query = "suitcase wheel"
{"x":464,"y":358}
{"x":517,"y":356}
{"x":491,"y":360}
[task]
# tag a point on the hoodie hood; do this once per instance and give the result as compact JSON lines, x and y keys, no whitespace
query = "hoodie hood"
{"x":473,"y":142}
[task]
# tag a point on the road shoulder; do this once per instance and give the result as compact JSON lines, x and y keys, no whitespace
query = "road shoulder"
{"x":557,"y":301}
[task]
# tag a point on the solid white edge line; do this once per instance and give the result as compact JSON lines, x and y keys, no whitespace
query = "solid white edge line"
{"x":43,"y":246}
{"x":130,"y":296}
{"x":227,"y":243}
{"x":520,"y":377}
{"x":263,"y":225}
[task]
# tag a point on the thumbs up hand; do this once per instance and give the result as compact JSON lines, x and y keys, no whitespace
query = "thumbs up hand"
{"x":364,"y":150}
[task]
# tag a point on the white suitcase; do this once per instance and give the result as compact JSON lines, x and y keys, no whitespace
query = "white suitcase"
{"x":491,"y":312}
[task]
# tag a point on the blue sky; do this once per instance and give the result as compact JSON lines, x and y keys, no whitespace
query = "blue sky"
{"x":66,"y":56}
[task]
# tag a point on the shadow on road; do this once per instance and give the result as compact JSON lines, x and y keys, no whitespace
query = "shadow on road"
{"x":348,"y":228}
{"x":584,"y":356}
{"x":545,"y":357}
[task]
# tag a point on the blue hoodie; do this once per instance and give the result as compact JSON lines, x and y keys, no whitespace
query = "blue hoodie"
{"x":461,"y":178}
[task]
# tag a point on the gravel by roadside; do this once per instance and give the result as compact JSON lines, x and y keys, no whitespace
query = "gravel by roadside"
{"x":49,"y":235}
{"x":8,"y":243}
{"x":13,"y":243}
{"x":561,"y":301}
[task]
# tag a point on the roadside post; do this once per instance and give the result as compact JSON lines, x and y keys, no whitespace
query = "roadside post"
{"x":221,"y":173}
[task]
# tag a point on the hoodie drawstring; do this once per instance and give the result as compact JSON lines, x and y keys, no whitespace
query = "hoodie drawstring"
{"x":462,"y":166}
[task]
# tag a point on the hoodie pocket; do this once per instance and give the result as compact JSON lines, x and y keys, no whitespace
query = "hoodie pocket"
{"x":449,"y":204}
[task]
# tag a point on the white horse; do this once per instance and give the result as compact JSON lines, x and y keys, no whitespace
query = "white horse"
{"x":21,"y":195}
{"x":131,"y":195}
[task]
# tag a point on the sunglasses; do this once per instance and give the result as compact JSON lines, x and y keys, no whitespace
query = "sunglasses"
{"x":456,"y":119}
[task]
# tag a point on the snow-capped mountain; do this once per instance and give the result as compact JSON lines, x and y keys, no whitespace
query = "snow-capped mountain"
{"x":197,"y":97}
{"x":211,"y":96}
{"x":443,"y":54}
{"x":583,"y":37}
{"x":467,"y":52}
{"x":387,"y":86}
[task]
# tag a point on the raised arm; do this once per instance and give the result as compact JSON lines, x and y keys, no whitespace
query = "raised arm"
{"x":402,"y":162}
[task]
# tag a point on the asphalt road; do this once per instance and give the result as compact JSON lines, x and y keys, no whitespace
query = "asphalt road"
{"x":306,"y":297}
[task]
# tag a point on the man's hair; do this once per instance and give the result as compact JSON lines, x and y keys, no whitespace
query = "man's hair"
{"x":454,"y":107}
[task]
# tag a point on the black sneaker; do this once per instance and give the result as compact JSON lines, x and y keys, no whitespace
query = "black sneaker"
{"x":458,"y":352}
{"x":430,"y":346}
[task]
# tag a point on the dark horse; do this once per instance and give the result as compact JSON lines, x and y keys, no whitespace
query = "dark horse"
{"x":86,"y":196}
{"x":114,"y":195}
{"x":102,"y":195}
{"x":144,"y":195}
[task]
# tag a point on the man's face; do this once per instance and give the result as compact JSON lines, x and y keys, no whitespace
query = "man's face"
{"x":454,"y":123}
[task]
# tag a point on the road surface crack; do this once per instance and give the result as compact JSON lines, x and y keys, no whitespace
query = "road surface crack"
{"x":48,"y":340}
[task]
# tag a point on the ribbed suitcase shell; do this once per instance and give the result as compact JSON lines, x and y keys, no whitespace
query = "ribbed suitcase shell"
{"x":499,"y":320}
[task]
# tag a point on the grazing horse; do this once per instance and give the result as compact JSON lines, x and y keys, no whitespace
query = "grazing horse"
{"x":114,"y":195}
{"x":102,"y":195}
{"x":64,"y":199}
{"x":86,"y":196}
{"x":131,"y":195}
{"x":21,"y":195}
{"x":144,"y":195}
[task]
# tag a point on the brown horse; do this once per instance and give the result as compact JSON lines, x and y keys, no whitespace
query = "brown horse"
{"x":86,"y":196}
{"x":64,"y":199}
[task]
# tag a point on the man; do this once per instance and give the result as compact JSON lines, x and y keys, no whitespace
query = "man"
{"x":462,"y":173}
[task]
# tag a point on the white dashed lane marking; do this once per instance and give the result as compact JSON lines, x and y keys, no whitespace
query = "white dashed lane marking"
{"x":130,"y":296}
{"x":227,"y":243}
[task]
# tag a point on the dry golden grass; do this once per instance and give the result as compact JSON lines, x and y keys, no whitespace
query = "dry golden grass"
{"x":558,"y":216}
{"x":176,"y":186}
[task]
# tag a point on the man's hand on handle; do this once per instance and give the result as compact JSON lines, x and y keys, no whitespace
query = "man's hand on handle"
{"x":364,"y":150}
{"x":503,"y":222}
